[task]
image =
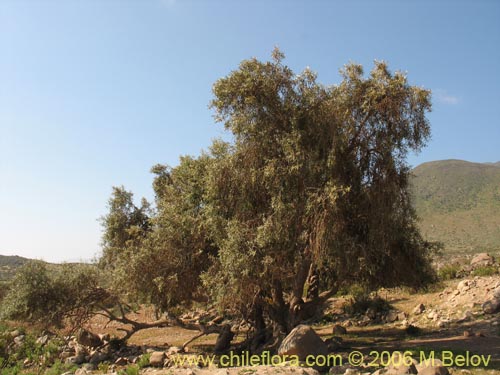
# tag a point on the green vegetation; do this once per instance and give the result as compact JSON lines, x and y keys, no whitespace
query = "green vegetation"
{"x":9,"y":265}
{"x":486,"y":271}
{"x":459,"y":204}
{"x":449,"y":272}
{"x":310,"y":196}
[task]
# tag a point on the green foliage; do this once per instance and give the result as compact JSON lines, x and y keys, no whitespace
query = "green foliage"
{"x":59,"y":368}
{"x":486,"y":271}
{"x":103,"y":367}
{"x":449,"y":272}
{"x":363,"y":300}
{"x":313,"y":183}
{"x":48,"y":295}
{"x":125,"y":225}
{"x":143,"y":360}
{"x":130,"y":370}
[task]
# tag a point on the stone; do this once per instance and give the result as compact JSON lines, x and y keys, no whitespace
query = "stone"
{"x":371,"y":313}
{"x":303,"y":341}
{"x":89,"y":367}
{"x":391,"y":316}
{"x":156,"y":359}
{"x":42,"y":340}
{"x":492,"y":306}
{"x":339,"y":330}
{"x":419,"y":309}
{"x":98,"y":357}
{"x":333,"y":343}
{"x":432,"y":367}
{"x":121,"y":361}
{"x":482,"y":260}
{"x":434,"y":370}
{"x":86,"y":338}
{"x":75,"y":360}
{"x":19,"y":340}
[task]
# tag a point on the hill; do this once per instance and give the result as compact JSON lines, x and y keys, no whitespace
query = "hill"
{"x":459,"y":204}
{"x":9,"y":265}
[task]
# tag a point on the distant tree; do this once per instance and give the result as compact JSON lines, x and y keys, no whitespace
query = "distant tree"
{"x":53,"y":295}
{"x":166,"y":271}
{"x":124,"y":226}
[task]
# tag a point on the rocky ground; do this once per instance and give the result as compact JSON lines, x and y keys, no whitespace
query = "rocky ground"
{"x":461,"y":316}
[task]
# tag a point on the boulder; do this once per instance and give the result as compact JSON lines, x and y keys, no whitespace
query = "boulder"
{"x":492,"y":306}
{"x":419,"y":309}
{"x":432,"y":367}
{"x":156,"y":359}
{"x":482,"y":260}
{"x":86,"y":338}
{"x":303,"y":341}
{"x":391,"y":316}
{"x":339,"y":330}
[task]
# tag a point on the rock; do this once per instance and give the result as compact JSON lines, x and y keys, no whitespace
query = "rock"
{"x":104,"y":336}
{"x":492,"y":306}
{"x":75,"y":360}
{"x":89,"y":367}
{"x":15,"y":333}
{"x":121,"y":361}
{"x":174,"y":350}
{"x":463,"y":286}
{"x":434,"y":370}
{"x":391,"y":316}
{"x":98,"y":357}
{"x":156,"y":359}
{"x":19,"y":340}
{"x":419,"y":309}
{"x":482,"y":260}
{"x":432,"y":367}
{"x":371,"y":313}
{"x":339,"y":330}
{"x":333,"y":343}
{"x":303,"y":341}
{"x":86,"y":338}
{"x":42,"y":340}
{"x":81,"y":371}
{"x":342,"y":369}
{"x":468,"y":333}
{"x":441,"y":323}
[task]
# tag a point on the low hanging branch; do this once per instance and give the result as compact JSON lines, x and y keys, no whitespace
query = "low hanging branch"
{"x":205,"y":329}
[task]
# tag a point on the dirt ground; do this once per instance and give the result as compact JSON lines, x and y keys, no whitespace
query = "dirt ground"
{"x":441,"y":326}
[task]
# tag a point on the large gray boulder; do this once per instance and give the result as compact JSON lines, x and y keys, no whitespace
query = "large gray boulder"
{"x":303,"y":341}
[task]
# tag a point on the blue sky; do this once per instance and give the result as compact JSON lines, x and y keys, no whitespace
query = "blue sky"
{"x":93,"y":93}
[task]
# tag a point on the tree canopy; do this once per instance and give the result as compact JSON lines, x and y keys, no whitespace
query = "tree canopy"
{"x":310,"y":195}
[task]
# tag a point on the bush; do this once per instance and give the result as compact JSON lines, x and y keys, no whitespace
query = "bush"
{"x":362,"y":300}
{"x":486,"y":271}
{"x":45,"y":294}
{"x":449,"y":272}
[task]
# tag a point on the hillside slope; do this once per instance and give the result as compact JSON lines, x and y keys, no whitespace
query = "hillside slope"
{"x":459,"y":204}
{"x":9,"y":264}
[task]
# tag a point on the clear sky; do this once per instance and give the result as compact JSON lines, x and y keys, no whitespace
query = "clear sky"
{"x":93,"y":93}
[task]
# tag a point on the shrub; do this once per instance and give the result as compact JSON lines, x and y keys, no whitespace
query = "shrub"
{"x":449,"y":272}
{"x":485,"y":271}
